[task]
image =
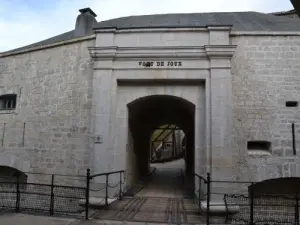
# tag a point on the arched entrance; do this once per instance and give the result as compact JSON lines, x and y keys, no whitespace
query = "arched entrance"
{"x":9,"y":174}
{"x":145,"y":115}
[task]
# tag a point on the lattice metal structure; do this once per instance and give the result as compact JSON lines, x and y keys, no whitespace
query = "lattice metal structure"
{"x":263,"y":209}
{"x":35,"y":197}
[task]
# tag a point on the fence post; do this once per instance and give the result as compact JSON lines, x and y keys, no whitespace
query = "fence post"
{"x":18,"y":193}
{"x":120,"y":191}
{"x":106,"y":192}
{"x":297,"y":210}
{"x":293,"y":139}
{"x":52,"y":196}
{"x":251,"y":204}
{"x":87,"y":193}
{"x":208,"y":200}
{"x":199,"y":194}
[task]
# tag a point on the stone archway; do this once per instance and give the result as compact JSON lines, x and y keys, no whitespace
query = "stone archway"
{"x":9,"y":174}
{"x":148,"y":113}
{"x":122,"y":148}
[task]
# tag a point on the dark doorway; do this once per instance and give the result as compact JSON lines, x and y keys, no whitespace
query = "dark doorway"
{"x":150,"y":113}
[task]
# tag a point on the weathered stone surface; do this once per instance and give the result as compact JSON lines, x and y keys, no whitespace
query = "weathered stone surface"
{"x":54,"y":103}
{"x":264,"y":76}
{"x":65,"y":98}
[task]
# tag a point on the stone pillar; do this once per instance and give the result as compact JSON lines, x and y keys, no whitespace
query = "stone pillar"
{"x":221,"y":111}
{"x":103,"y":110}
{"x":220,"y":53}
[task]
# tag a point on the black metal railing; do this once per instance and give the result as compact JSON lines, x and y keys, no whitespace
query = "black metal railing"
{"x":263,"y":209}
{"x":203,"y":193}
{"x":57,"y":194}
{"x":246,"y":205}
{"x":21,"y":196}
{"x":108,"y":189}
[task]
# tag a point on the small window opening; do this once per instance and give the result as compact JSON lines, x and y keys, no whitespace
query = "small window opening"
{"x":259,"y":145}
{"x":291,"y":104}
{"x":8,"y":102}
{"x":168,"y":145}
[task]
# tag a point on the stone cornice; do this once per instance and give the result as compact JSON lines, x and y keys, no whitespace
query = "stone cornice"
{"x":264,"y":33}
{"x":220,"y":51}
{"x":164,"y":29}
{"x":195,"y":52}
{"x":219,"y":28}
{"x":100,"y":53}
{"x":149,"y":30}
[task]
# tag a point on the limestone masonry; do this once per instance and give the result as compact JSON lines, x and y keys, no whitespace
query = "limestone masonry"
{"x":240,"y":78}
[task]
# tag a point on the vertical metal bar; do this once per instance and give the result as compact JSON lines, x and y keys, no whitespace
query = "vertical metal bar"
{"x":297,"y":210}
{"x":23,"y":138}
{"x":173,"y":144}
{"x":251,"y":204}
{"x":199,"y":193}
{"x":294,"y":142}
{"x":208,"y":200}
{"x":87,"y":193}
{"x":120,"y":191}
{"x":3,"y":134}
{"x":52,"y":196}
{"x":151,"y":150}
{"x":106,"y":192}
{"x":18,"y":193}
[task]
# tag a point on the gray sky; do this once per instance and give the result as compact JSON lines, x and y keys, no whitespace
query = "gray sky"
{"x":24,"y":22}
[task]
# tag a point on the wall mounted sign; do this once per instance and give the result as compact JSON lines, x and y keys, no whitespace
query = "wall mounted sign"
{"x":98,"y":139}
{"x":160,"y":63}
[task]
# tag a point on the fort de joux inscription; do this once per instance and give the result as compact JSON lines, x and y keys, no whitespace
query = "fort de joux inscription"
{"x":160,"y":63}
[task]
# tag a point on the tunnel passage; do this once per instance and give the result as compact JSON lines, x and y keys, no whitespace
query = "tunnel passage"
{"x":167,"y":144}
{"x":147,"y":114}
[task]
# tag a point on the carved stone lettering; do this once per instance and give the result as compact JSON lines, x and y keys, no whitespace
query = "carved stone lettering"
{"x":160,"y":63}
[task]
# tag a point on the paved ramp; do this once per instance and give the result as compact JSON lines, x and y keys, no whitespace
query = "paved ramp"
{"x":167,"y":181}
{"x":162,"y":200}
{"x":150,"y":209}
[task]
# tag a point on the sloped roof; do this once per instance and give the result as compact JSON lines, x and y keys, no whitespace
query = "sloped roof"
{"x":292,"y":11}
{"x":61,"y":37}
{"x":240,"y":21}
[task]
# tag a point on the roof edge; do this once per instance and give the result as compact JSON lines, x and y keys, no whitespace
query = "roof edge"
{"x":288,"y":12}
{"x":74,"y":40}
{"x":111,"y":28}
{"x":224,"y":27}
{"x":265,"y":33}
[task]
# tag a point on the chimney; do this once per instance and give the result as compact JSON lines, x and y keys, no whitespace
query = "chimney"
{"x":85,"y":22}
{"x":296,"y":4}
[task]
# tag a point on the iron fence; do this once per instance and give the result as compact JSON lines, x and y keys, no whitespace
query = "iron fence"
{"x":106,"y":187}
{"x":59,"y":194}
{"x":20,"y":196}
{"x":244,"y":204}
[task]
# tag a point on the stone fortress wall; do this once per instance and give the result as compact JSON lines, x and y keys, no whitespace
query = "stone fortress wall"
{"x":265,"y":74}
{"x":49,"y":131}
{"x":54,"y":88}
